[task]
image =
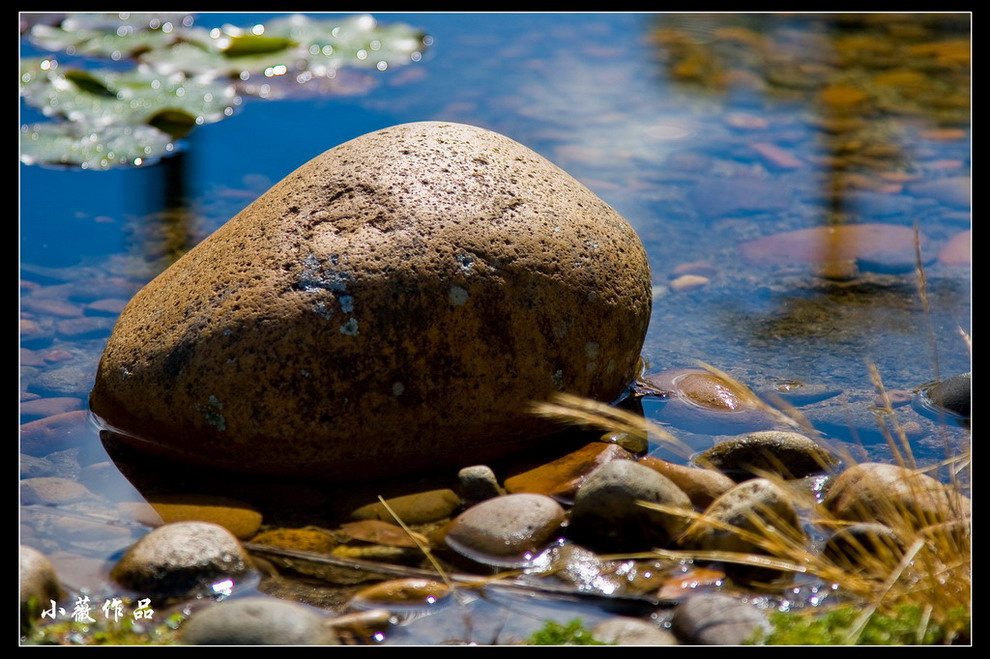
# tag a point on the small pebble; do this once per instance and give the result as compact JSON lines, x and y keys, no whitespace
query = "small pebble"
{"x":893,"y":495}
{"x":43,"y":407}
{"x":776,"y":156}
{"x":607,"y":516}
{"x":38,"y":583}
{"x":958,"y":250}
{"x":238,"y":517}
{"x":562,"y":477}
{"x":631,"y":631}
{"x":52,"y":433}
{"x":52,"y":491}
{"x":506,"y":530}
{"x":787,"y":454}
{"x":952,"y":395}
{"x":378,"y":532}
{"x":180,"y":560}
{"x":688,"y":282}
{"x":702,"y":486}
{"x":311,"y":539}
{"x":865,"y":546}
{"x":716,"y":619}
{"x":401,"y":592}
{"x":419,"y":508}
{"x":757,"y":506}
{"x":257,"y":621}
{"x":478,"y":483}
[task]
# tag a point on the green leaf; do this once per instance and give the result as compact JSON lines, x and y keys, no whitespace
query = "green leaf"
{"x":100,"y":97}
{"x":88,"y":83}
{"x":89,"y":147}
{"x":252,"y":44}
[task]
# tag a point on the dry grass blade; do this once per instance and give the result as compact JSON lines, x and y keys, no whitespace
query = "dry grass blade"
{"x":421,"y":544}
{"x":579,"y":411}
{"x":860,"y":624}
{"x":903,"y":454}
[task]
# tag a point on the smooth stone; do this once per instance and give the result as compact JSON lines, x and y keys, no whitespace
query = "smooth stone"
{"x":92,"y":533}
{"x":478,"y":483}
{"x":631,"y":631}
{"x":561,"y":478}
{"x":865,"y":546}
{"x":716,"y":619}
{"x":953,"y":395}
{"x":418,"y":508}
{"x":702,"y":486}
{"x":57,"y":355}
{"x":52,"y":491}
{"x":234,"y":515}
{"x":506,"y":530}
{"x":53,"y":433}
{"x":888,"y":247}
{"x":779,"y":452}
{"x":257,"y":621}
{"x":311,"y":539}
{"x":85,"y":327}
{"x":403,"y":592}
{"x":717,"y":197}
{"x":951,"y":190}
{"x":43,"y":407}
{"x":362,"y":624}
{"x":704,"y":402}
{"x":109,"y":305}
{"x":51,"y":307}
{"x":757,"y":506}
{"x":688,"y":282}
{"x":181,"y":559}
{"x":607,"y":516}
{"x":34,"y":467}
{"x":31,"y":358}
{"x":379,"y":533}
{"x":39,"y":584}
{"x":395,"y":304}
{"x":958,"y":250}
{"x":68,"y":380}
{"x":35,"y":330}
{"x":894,"y":496}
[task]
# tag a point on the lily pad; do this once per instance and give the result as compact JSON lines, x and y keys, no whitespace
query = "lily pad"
{"x":103,"y":98}
{"x":111,"y":35}
{"x":293,"y":44}
{"x":73,"y":144}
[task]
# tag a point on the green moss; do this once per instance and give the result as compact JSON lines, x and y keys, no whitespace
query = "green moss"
{"x":125,"y":631}
{"x":553,"y":633}
{"x":906,"y":625}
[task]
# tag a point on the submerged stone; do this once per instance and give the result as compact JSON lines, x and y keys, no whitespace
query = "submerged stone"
{"x":705,"y":402}
{"x":787,"y":454}
{"x":395,"y":304}
{"x":874,"y":246}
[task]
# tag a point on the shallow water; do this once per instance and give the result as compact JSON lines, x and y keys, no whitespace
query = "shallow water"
{"x":705,"y":132}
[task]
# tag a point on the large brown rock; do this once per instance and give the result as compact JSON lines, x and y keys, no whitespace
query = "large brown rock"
{"x":395,"y":303}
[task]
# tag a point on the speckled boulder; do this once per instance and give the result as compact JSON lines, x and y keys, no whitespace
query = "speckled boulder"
{"x":395,"y":303}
